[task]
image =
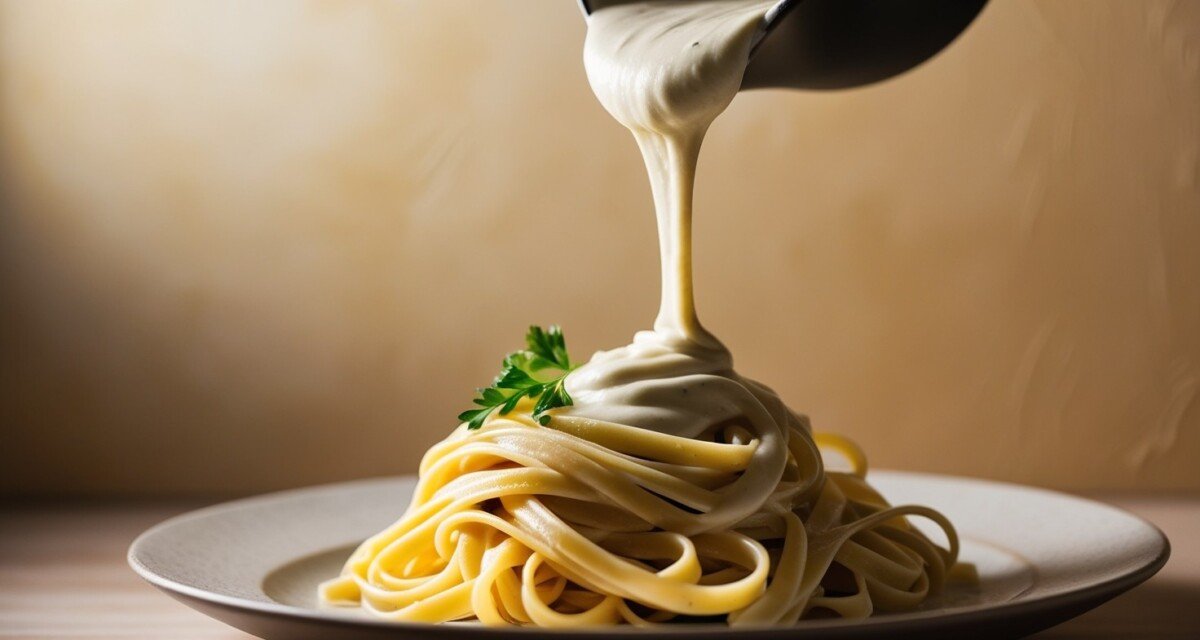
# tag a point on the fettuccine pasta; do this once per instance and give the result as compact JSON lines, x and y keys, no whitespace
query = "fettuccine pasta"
{"x":517,"y":523}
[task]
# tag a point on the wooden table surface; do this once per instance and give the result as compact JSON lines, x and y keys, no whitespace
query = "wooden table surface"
{"x":63,"y":575}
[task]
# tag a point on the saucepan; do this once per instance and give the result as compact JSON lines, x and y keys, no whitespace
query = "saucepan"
{"x":836,"y":44}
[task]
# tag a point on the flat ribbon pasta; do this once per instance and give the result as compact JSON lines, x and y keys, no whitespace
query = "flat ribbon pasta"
{"x":584,"y":523}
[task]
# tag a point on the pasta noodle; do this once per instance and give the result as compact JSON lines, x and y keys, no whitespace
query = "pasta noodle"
{"x":672,"y":488}
{"x":517,"y":523}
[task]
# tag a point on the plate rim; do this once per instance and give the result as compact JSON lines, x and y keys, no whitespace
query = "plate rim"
{"x":1101,"y":591}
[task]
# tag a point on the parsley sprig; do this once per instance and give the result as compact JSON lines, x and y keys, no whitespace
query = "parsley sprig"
{"x":525,"y":376}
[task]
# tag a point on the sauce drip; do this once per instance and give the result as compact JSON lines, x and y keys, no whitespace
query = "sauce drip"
{"x":666,"y":70}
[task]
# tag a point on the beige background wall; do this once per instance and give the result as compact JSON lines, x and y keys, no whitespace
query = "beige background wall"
{"x":257,"y":245}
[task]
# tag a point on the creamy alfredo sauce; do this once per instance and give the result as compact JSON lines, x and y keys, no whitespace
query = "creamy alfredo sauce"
{"x":665,"y":70}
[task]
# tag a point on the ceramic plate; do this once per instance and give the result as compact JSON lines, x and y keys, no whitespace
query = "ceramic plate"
{"x":1043,"y":557}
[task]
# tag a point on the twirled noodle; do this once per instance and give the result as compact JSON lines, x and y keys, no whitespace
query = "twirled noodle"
{"x":584,"y":522}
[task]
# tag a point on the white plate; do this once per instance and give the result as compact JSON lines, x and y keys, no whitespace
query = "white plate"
{"x":1043,"y":557}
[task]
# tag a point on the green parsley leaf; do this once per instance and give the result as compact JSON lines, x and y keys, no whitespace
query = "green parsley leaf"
{"x":524,"y":376}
